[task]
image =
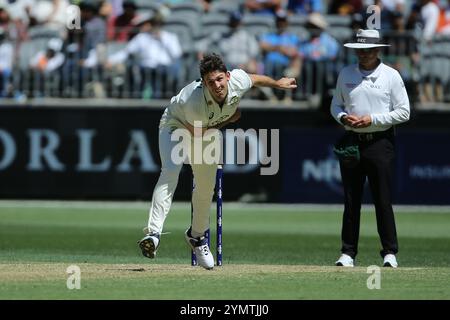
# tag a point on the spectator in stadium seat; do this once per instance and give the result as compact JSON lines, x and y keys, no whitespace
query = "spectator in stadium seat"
{"x":281,"y":57}
{"x":82,"y":49}
{"x":45,"y":64}
{"x":394,"y":5}
{"x":345,"y":7}
{"x":357,"y":22}
{"x":444,"y":20}
{"x":403,"y":44}
{"x":6,"y":63}
{"x":425,"y":15}
{"x":10,"y":28}
{"x":4,"y":16}
{"x":115,"y":7}
{"x":29,"y":13}
{"x":238,"y":48}
{"x":49,"y":60}
{"x":206,"y":4}
{"x":19,"y":14}
{"x":93,"y":27}
{"x":268,"y":7}
{"x":321,"y":45}
{"x":121,"y":28}
{"x":319,"y":52}
{"x":390,"y":9}
{"x":304,"y":6}
{"x":158,"y":51}
{"x":403,"y":54}
{"x":51,"y":13}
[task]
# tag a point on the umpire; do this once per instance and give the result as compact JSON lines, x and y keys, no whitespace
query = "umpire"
{"x":370,"y":98}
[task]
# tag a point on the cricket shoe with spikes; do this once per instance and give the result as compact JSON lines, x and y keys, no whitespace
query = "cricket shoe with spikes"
{"x":149,"y":245}
{"x":201,"y":249}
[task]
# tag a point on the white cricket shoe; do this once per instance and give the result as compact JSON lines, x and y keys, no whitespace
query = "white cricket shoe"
{"x":390,"y":261}
{"x":149,"y":245}
{"x":201,"y":249}
{"x":345,"y":261}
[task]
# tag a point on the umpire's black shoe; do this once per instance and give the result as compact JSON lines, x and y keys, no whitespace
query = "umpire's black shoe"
{"x":149,"y":245}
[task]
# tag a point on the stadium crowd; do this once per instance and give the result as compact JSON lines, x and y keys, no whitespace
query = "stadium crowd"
{"x":146,"y":49}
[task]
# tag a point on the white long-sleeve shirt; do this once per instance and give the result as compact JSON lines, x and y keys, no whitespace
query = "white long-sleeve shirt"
{"x":6,"y":56}
{"x":380,"y":94}
{"x":430,"y":15}
{"x":152,"y":51}
{"x":52,"y":64}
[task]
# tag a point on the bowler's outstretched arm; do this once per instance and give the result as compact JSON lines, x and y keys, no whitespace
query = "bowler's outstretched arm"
{"x":265,"y":81}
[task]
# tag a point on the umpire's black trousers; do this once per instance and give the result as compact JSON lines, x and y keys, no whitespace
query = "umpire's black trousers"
{"x":377,"y":164}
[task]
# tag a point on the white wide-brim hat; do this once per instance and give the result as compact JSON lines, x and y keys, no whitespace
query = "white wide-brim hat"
{"x":366,"y":39}
{"x":318,"y":20}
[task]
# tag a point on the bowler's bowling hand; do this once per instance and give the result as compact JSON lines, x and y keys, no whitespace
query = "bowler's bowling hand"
{"x":363,"y":122}
{"x":287,"y":83}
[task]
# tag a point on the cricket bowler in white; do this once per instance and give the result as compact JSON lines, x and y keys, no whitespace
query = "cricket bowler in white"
{"x":212,"y":100}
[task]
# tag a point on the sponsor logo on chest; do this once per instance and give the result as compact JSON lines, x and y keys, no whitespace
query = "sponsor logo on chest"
{"x":373,"y":85}
{"x":219,"y":119}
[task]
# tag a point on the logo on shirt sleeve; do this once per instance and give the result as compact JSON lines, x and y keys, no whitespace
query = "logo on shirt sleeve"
{"x":234,"y":100}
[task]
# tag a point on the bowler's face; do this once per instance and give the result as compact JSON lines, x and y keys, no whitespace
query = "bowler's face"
{"x":217,"y":84}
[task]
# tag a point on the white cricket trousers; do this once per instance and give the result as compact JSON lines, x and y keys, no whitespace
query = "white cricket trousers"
{"x":205,"y":179}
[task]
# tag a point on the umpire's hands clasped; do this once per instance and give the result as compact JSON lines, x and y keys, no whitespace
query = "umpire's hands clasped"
{"x":357,"y":122}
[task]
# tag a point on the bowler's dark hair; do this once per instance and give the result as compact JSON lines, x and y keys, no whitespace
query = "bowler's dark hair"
{"x":211,"y":62}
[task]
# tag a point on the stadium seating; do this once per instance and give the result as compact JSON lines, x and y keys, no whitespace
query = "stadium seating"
{"x":225,"y":7}
{"x":187,"y":8}
{"x":258,"y":24}
{"x":186,"y":30}
{"x":335,"y":20}
{"x":147,"y":5}
{"x":192,"y":24}
{"x":39,"y":32}
{"x":341,"y":34}
{"x":214,"y":23}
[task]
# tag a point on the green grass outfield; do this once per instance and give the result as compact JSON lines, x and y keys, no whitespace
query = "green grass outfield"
{"x":270,"y":252}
